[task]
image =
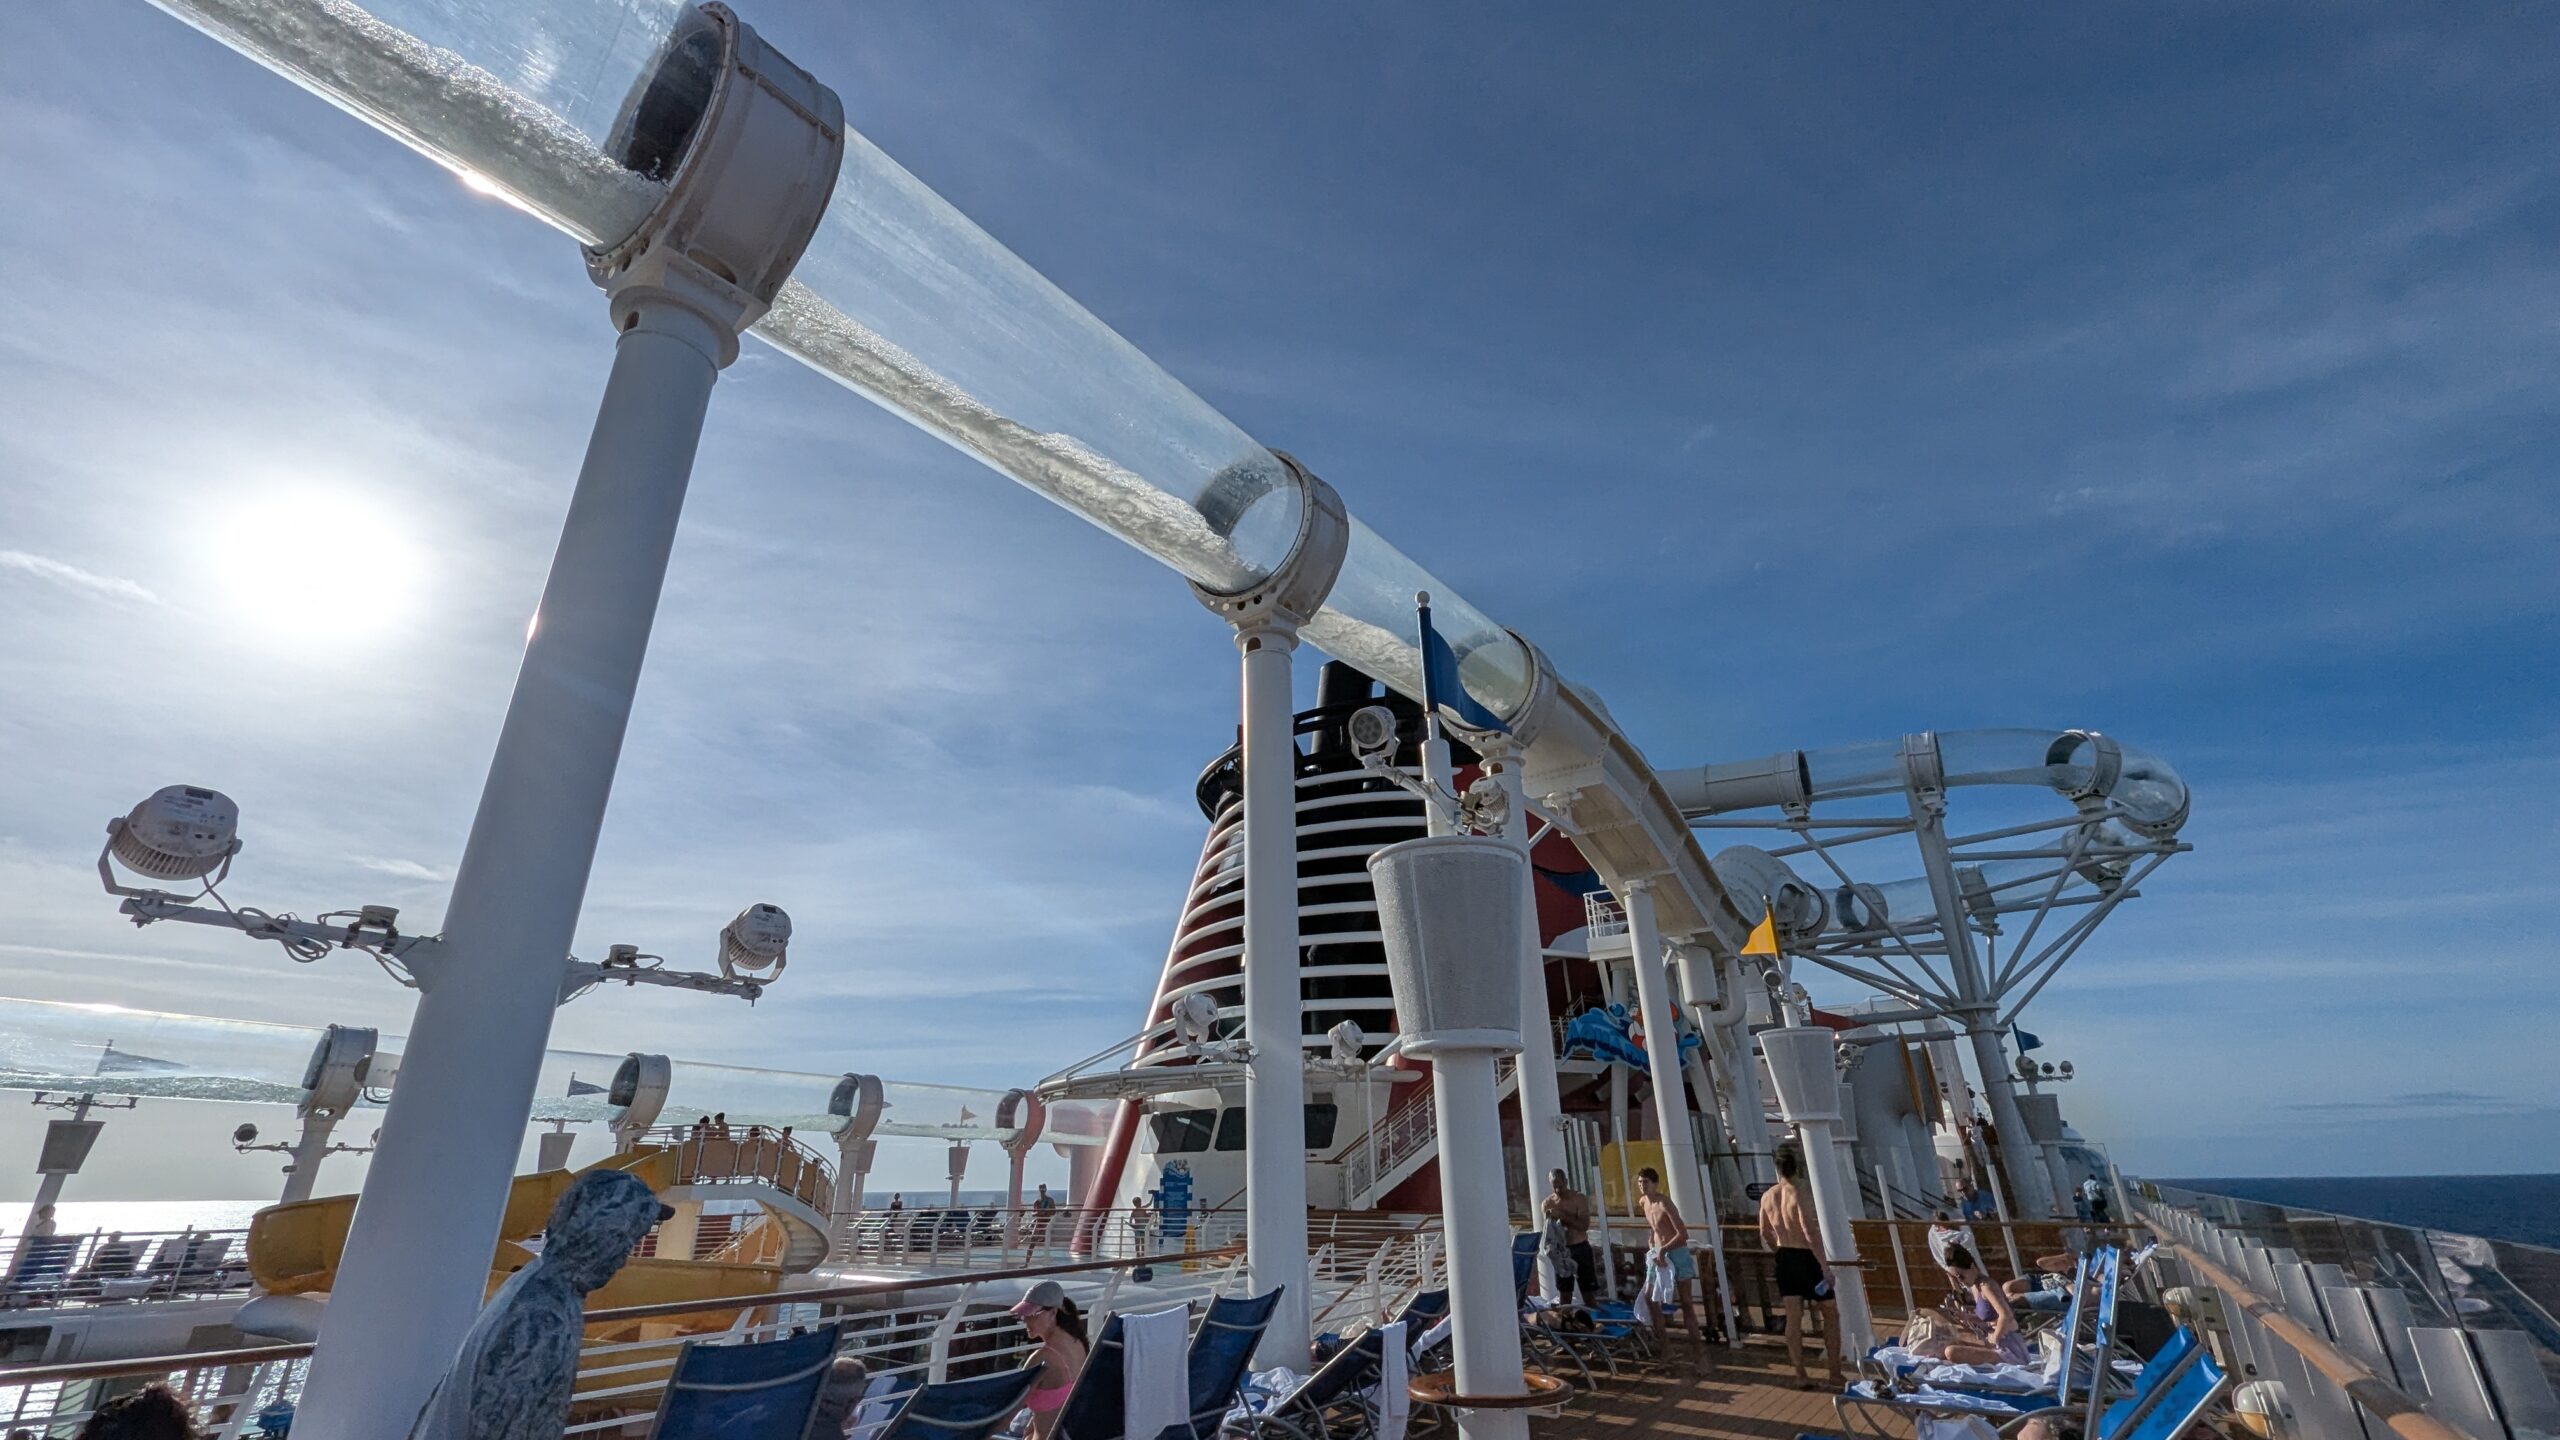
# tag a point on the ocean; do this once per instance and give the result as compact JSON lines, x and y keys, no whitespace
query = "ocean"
{"x":2524,"y":1209}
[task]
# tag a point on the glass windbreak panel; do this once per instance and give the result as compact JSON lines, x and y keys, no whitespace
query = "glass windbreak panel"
{"x":1183,"y":1132}
{"x":2465,"y":1282}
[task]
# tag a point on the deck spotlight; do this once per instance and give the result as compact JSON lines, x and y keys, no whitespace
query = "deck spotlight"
{"x":1195,"y":1019}
{"x":2066,"y":1069}
{"x":183,"y":832}
{"x":245,"y":1136}
{"x":1372,"y":732}
{"x":753,"y":941}
{"x":1347,"y":1039}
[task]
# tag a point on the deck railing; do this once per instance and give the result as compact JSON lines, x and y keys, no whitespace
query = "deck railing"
{"x":957,"y":1330}
{"x":107,"y":1267}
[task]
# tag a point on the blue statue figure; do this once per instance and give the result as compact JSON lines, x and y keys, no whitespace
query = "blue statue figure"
{"x":512,"y":1376}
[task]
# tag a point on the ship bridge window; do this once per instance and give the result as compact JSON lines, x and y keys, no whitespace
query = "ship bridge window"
{"x":1320,"y":1123}
{"x":1183,"y":1132}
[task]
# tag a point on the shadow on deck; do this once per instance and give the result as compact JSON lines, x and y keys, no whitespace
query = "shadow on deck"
{"x":1751,"y":1396}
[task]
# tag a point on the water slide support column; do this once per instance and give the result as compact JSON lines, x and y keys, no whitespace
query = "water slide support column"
{"x":1803,"y":1060}
{"x":760,"y":167}
{"x":1541,"y":1105}
{"x":451,"y":1133}
{"x":1926,"y":786}
{"x":1266,"y":622}
{"x":1662,"y":1055}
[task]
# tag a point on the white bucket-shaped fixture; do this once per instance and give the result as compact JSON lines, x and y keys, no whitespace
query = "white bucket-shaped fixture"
{"x":1803,"y":1066}
{"x":2043,"y":1117}
{"x":1449,"y":909}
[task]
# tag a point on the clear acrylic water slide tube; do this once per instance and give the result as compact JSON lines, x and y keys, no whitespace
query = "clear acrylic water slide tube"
{"x":900,"y":296}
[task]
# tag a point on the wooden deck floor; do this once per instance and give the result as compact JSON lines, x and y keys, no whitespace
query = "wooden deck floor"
{"x":1751,"y":1396}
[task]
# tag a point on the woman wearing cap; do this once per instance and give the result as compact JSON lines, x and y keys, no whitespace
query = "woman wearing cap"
{"x":1049,"y":1317}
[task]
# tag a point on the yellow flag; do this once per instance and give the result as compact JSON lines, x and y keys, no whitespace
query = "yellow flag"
{"x":1764,"y":936}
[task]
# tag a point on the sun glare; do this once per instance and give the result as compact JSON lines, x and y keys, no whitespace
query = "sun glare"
{"x":315,"y":566}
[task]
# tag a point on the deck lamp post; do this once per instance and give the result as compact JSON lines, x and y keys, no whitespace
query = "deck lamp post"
{"x":1804,"y":1066}
{"x":1449,"y":912}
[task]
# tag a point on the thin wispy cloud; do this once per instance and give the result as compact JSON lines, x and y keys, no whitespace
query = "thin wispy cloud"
{"x":71,"y":577}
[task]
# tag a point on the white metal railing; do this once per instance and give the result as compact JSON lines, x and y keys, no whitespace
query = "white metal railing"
{"x":1364,"y":1269}
{"x":1406,"y":1131}
{"x":752,"y":1156}
{"x":997,"y":1238}
{"x":959,"y":1330}
{"x":105,"y":1267}
{"x":1602,"y":912}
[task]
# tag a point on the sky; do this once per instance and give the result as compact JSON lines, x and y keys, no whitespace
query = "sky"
{"x":1793,"y":375}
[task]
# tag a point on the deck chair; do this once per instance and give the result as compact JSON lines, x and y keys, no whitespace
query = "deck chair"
{"x":1221,"y":1352}
{"x":1421,"y":1315}
{"x":764,"y":1391}
{"x":43,"y":1266}
{"x":1329,"y":1405}
{"x":1097,"y":1408}
{"x":961,"y":1409}
{"x":2164,"y":1390}
{"x":1540,"y":1334}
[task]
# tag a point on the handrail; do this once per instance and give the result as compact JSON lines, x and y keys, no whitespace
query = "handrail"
{"x":205,"y":1359}
{"x":2380,"y":1398}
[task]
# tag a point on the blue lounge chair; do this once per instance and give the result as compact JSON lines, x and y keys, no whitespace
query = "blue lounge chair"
{"x":1329,"y":1406}
{"x":2172,"y":1390}
{"x":1540,"y":1332}
{"x":961,"y":1409}
{"x":1221,"y":1352}
{"x":764,"y":1391}
{"x":1097,"y":1408}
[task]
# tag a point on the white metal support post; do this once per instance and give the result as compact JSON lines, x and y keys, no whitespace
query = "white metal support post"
{"x":1662,"y":1058}
{"x":1541,"y":1107}
{"x":1802,"y":1061}
{"x":1275,"y":1084}
{"x":1925,"y":784}
{"x":1440,"y":914}
{"x":449,"y":1139}
{"x":1266,"y":621}
{"x":760,"y":165}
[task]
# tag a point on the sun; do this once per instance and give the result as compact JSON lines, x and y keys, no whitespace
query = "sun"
{"x":315,"y":565}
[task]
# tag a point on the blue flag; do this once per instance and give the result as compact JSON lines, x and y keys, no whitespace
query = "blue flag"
{"x":2026,"y":1042}
{"x":1441,"y":686}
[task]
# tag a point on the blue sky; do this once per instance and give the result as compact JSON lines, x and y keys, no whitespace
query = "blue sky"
{"x":1794,"y":376}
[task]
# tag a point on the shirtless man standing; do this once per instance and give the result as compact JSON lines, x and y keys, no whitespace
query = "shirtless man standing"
{"x":1787,"y":1228}
{"x":1669,"y":1235}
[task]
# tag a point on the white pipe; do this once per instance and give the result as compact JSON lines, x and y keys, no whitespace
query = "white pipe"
{"x":1662,"y":1054}
{"x":1833,"y":1197}
{"x":1486,"y":1322}
{"x":432,"y":1198}
{"x":309,"y":1148}
{"x":1541,"y":1103}
{"x":1275,"y":1084}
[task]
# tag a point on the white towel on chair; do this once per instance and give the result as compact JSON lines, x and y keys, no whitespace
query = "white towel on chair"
{"x":1155,"y":1374}
{"x":1395,"y":1400}
{"x":1952,"y":1427}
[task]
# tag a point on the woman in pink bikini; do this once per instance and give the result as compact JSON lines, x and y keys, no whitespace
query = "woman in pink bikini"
{"x":1049,"y":1317}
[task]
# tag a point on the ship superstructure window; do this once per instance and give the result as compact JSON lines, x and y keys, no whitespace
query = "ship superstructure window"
{"x":1183,"y":1132}
{"x":1187,"y":1132}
